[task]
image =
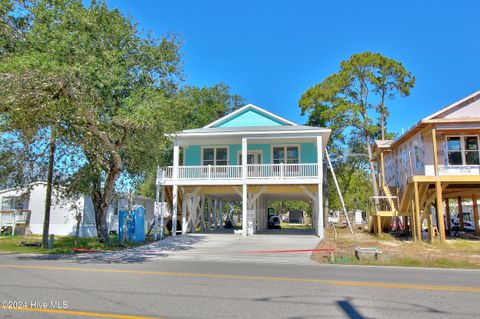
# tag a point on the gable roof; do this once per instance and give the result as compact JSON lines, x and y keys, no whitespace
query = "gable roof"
{"x":472,"y":98}
{"x":444,"y":115}
{"x":261,"y":116}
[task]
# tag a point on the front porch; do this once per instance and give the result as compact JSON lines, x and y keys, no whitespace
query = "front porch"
{"x":304,"y":173}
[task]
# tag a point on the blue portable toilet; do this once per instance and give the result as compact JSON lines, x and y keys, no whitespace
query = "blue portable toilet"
{"x":122,"y":219}
{"x":132,"y":224}
{"x":136,"y":228}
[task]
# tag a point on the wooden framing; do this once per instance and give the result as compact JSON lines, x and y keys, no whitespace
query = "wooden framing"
{"x":439,"y":211}
{"x":432,"y":182}
{"x":447,"y":214}
{"x":460,"y":213}
{"x":475,"y":213}
{"x":428,"y":212}
{"x":418,"y":223}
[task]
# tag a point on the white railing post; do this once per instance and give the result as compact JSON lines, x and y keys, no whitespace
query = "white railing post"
{"x":209,"y":172}
{"x":281,"y":170}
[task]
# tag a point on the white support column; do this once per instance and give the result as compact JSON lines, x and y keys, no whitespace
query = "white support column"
{"x":184,"y":213}
{"x":176,"y":159}
{"x":244,"y":187}
{"x":209,"y":214}
{"x":174,"y":209}
{"x":319,"y":217}
{"x":244,"y":210}
{"x":215,"y":215}
{"x":221,"y":214}
{"x":157,"y":205}
{"x":202,"y":212}
{"x":162,"y":211}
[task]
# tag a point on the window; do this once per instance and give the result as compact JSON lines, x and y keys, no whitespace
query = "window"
{"x":471,"y":150}
{"x":215,"y":156}
{"x":292,"y":155}
{"x":462,"y":150}
{"x":278,"y":155}
{"x":286,"y":154}
{"x":454,"y":149}
{"x":12,"y":202}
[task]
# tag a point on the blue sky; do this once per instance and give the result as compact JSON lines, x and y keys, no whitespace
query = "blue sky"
{"x":270,"y":52}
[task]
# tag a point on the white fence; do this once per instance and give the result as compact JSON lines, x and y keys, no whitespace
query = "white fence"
{"x":234,"y":172}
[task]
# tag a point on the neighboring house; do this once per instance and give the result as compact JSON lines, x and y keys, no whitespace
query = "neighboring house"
{"x":296,"y":217}
{"x":283,"y":161}
{"x":435,"y":161}
{"x":63,"y":212}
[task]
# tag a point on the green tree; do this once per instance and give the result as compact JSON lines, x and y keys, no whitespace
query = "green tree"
{"x":93,"y":77}
{"x":347,"y":100}
{"x":206,"y":104}
{"x":350,"y":164}
{"x":201,"y":106}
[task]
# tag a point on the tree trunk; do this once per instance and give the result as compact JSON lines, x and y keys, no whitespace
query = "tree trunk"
{"x":382,"y":123}
{"x":372,"y":170}
{"x":101,"y":201}
{"x":48,"y":198}
{"x":382,"y":114}
{"x":100,"y":218}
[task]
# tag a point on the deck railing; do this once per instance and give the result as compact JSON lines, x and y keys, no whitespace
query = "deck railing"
{"x":266,"y":171}
{"x":234,"y":172}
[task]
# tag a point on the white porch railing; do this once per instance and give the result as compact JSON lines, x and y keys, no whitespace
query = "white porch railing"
{"x":453,"y":170}
{"x":234,"y":172}
{"x":205,"y":172}
{"x":275,"y":171}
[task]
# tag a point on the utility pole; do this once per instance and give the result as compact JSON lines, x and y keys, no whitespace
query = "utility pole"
{"x":48,"y":198}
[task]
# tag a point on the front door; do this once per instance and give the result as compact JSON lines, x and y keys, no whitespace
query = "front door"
{"x":253,"y":157}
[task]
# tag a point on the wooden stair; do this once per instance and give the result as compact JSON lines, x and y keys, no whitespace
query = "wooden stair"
{"x":386,"y":214}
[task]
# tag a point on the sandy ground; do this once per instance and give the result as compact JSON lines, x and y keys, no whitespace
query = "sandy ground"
{"x":454,"y":253}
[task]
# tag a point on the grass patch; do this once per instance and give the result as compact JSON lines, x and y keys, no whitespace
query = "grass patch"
{"x":294,"y":226}
{"x":454,"y":253}
{"x":62,"y":244}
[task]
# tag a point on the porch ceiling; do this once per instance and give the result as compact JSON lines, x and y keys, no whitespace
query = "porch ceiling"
{"x":284,"y":192}
{"x":262,"y":134}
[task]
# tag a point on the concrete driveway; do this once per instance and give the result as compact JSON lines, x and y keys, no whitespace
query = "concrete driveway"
{"x":267,"y":247}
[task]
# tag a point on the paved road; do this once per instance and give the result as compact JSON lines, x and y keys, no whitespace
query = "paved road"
{"x":172,"y":288}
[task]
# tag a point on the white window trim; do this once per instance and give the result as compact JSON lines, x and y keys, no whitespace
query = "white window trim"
{"x":256,"y":152}
{"x":215,"y":153}
{"x":462,"y":149}
{"x":285,"y":151}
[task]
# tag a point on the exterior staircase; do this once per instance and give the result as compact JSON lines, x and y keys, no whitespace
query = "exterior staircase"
{"x":386,"y":212}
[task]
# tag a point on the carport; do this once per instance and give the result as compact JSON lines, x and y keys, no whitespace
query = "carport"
{"x":206,"y":208}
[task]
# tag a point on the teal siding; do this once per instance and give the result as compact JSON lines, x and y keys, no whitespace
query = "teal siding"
{"x":233,"y":157}
{"x":250,"y":118}
{"x":193,"y":155}
{"x":308,"y":153}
